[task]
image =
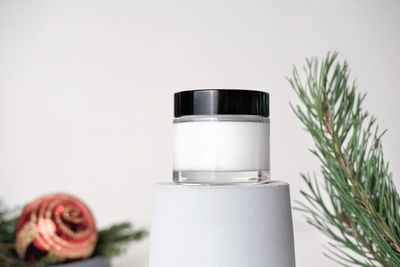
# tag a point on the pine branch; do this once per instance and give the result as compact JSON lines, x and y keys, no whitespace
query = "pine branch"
{"x":7,"y":225}
{"x":112,"y":241}
{"x":361,"y":211}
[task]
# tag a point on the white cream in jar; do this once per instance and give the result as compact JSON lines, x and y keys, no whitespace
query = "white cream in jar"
{"x":221,"y":136}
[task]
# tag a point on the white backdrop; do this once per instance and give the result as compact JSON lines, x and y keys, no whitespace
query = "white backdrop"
{"x":86,"y":91}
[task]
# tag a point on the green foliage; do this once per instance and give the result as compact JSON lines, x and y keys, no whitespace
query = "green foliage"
{"x":356,"y":204}
{"x":7,"y":225}
{"x":111,"y":241}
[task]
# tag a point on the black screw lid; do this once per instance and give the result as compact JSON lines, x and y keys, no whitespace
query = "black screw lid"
{"x":221,"y":101}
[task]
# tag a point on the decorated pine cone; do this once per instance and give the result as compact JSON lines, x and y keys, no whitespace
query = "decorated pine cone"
{"x":59,"y":226}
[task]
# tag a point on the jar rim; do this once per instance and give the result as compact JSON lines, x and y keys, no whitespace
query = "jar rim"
{"x":222,"y":118}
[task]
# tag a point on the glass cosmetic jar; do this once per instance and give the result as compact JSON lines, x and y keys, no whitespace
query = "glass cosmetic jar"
{"x":221,"y":136}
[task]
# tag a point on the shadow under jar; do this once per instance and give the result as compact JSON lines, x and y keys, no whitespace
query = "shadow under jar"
{"x":221,"y":137}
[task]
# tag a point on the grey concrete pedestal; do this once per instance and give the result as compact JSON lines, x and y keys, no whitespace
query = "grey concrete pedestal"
{"x":93,"y":262}
{"x":222,"y":226}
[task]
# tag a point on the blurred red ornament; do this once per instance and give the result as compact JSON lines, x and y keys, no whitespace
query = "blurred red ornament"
{"x":59,"y":225}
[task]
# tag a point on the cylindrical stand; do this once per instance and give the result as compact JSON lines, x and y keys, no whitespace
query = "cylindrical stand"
{"x":222,"y":226}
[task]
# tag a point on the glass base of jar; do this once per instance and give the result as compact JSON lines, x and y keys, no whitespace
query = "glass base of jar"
{"x":221,"y":177}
